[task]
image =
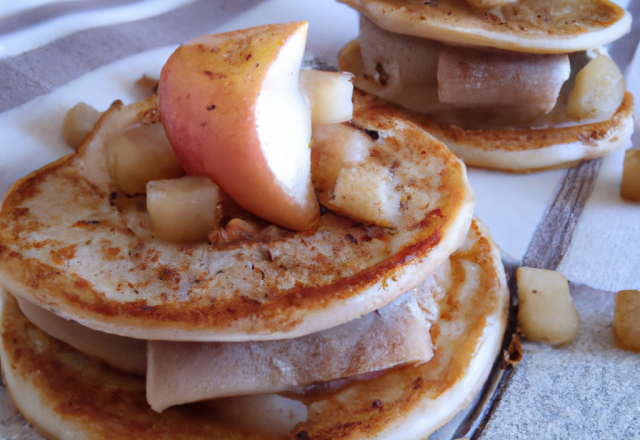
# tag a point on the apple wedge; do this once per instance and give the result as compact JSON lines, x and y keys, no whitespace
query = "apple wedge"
{"x":233,"y":111}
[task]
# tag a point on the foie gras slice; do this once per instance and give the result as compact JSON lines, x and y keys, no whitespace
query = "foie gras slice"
{"x":473,"y":78}
{"x":182,"y":372}
{"x":445,"y":81}
{"x":122,"y":353}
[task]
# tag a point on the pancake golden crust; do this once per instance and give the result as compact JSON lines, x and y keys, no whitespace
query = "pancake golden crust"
{"x":370,"y":408}
{"x":88,"y":254}
{"x":66,"y":395}
{"x":528,"y":149}
{"x":522,"y":139}
{"x":63,"y":390}
{"x":525,"y":149}
{"x":536,"y":26}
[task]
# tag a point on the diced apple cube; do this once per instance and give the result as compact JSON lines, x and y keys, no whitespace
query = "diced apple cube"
{"x":78,"y":123}
{"x":329,"y":95}
{"x":626,"y":319}
{"x":630,"y":188}
{"x":598,"y":90}
{"x":139,"y":156}
{"x":182,"y":210}
{"x":334,"y":147}
{"x":366,"y":193}
{"x":546,"y":311}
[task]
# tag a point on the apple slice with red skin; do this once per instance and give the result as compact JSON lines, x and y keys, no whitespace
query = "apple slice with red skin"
{"x":233,"y":111}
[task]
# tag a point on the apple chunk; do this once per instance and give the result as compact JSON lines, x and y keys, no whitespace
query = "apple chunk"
{"x":349,"y":183}
{"x":183,"y":210}
{"x":630,"y":186}
{"x":329,"y":95}
{"x":626,"y":319}
{"x":366,"y":193}
{"x":546,"y":311}
{"x":598,"y":91}
{"x":141,"y":155}
{"x":78,"y":123}
{"x":233,"y":111}
{"x":335,"y":147}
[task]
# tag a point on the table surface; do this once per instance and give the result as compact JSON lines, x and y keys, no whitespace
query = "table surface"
{"x":56,"y":53}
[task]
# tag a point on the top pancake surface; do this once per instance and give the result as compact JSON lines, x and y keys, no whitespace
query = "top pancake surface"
{"x":537,"y":26}
{"x":89,"y":255}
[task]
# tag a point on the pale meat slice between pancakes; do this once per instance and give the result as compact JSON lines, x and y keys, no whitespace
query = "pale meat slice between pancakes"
{"x":181,"y":372}
{"x":473,"y":87}
{"x":530,"y":149}
{"x":536,"y":26}
{"x":67,"y":395}
{"x":509,"y":149}
{"x":72,"y":244}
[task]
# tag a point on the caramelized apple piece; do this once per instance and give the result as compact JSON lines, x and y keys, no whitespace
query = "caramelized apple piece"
{"x":182,"y":210}
{"x":361,"y":189}
{"x":626,"y":319}
{"x":366,"y":194}
{"x":630,"y":187}
{"x":546,"y":311}
{"x":598,"y":91}
{"x":333,"y":148}
{"x":472,"y":78}
{"x":329,"y":95}
{"x":139,"y":156}
{"x":78,"y":123}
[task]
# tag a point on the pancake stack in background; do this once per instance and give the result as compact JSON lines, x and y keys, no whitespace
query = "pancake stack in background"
{"x":349,"y":329}
{"x":518,"y":86}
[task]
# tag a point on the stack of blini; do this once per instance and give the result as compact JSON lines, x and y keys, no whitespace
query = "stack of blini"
{"x":345,"y":330}
{"x":511,"y":85}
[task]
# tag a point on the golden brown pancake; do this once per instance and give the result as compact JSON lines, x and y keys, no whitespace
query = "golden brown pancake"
{"x":536,"y":26}
{"x":511,"y":149}
{"x":71,"y":243}
{"x":68,"y":395}
{"x":529,"y":149}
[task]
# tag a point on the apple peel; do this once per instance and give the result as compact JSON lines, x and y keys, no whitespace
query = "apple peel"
{"x":233,"y":111}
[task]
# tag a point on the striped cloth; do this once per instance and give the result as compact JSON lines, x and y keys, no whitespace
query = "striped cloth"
{"x":42,"y":69}
{"x":47,"y":44}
